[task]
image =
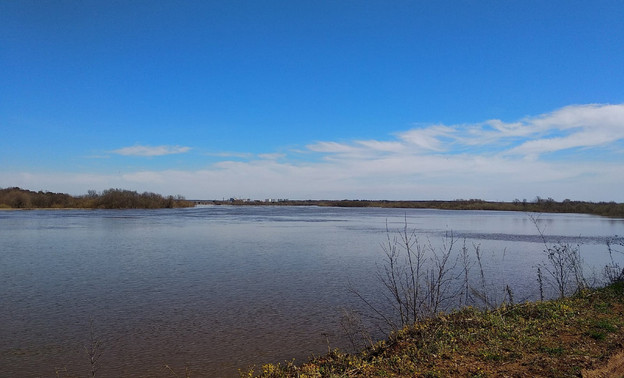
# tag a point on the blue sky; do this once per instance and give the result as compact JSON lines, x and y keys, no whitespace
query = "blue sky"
{"x":315,"y":99}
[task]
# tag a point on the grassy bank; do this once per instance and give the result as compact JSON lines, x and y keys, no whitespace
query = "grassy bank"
{"x":559,"y":338}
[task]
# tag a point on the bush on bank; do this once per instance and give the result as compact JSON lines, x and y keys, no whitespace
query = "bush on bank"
{"x":16,"y":198}
{"x":558,"y":338}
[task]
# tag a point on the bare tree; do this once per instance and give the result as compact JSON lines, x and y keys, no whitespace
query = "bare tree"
{"x":94,"y":349}
{"x":613,"y":271}
{"x":564,"y":265}
{"x":418,"y":279}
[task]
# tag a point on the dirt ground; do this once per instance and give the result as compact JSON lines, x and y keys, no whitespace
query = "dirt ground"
{"x":614,"y":368}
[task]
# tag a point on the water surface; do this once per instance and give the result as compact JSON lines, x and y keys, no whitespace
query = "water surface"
{"x":219,"y":288}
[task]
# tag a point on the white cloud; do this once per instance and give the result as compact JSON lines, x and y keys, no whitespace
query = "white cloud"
{"x":242,"y":155}
{"x":274,"y":156}
{"x":584,"y":126}
{"x":413,"y":177}
{"x":429,"y":138}
{"x":492,"y":160}
{"x":139,"y":150}
{"x":144,"y":177}
{"x":331,"y":147}
{"x":582,"y":139}
{"x":583,"y":116}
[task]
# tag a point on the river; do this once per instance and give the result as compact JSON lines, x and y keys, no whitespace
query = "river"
{"x":214,"y":289}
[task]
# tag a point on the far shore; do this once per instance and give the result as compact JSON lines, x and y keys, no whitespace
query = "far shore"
{"x":539,"y":205}
{"x":43,"y":208}
{"x":607,"y":209}
{"x":21,"y":199}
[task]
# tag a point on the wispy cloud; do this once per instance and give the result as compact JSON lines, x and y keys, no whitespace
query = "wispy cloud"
{"x":494,"y":159}
{"x":582,"y":126}
{"x":273,"y":156}
{"x":139,"y":150}
{"x":586,"y":126}
{"x":241,"y":155}
{"x":432,"y":138}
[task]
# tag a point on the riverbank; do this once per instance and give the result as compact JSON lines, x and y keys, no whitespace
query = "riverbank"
{"x":609,"y":209}
{"x":578,"y":336}
{"x":17,"y":198}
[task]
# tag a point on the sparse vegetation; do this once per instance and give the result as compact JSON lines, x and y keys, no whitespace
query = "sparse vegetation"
{"x":558,"y":338}
{"x":564,"y":265}
{"x":418,"y":280}
{"x":16,"y":198}
{"x":94,"y":350}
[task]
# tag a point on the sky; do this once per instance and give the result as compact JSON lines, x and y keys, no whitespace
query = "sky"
{"x":398,"y":100}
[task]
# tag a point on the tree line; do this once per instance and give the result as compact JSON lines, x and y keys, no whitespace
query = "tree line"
{"x":17,"y":198}
{"x":539,"y":205}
